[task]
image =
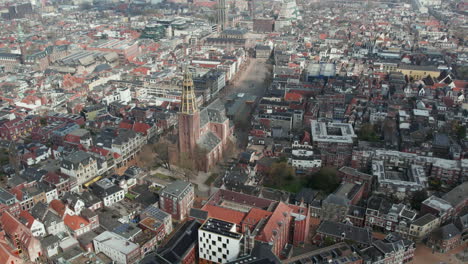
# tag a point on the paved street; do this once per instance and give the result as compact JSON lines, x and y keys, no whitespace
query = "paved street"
{"x":424,"y":255}
{"x":250,"y":80}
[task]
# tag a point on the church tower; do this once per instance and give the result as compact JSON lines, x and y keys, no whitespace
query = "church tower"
{"x":189,"y":117}
{"x":221,"y":15}
{"x":20,"y":35}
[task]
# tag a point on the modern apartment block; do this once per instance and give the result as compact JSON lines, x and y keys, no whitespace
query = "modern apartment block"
{"x":219,"y":242}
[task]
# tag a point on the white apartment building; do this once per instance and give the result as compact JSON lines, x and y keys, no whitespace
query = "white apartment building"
{"x":122,"y":95}
{"x":218,"y":241}
{"x":117,"y":248}
{"x":108,"y":192}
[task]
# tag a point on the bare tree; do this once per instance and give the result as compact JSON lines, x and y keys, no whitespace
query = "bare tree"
{"x":187,"y":164}
{"x":162,"y":150}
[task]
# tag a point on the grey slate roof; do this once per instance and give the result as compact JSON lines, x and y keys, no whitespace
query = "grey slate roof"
{"x":338,"y":230}
{"x":5,"y":195}
{"x":457,"y":195}
{"x":176,"y":188}
{"x":261,"y":254}
{"x":441,"y":140}
{"x":49,"y":241}
{"x":76,"y":158}
{"x":214,"y":112}
{"x":180,"y":243}
{"x":39,"y":210}
{"x":204,"y":119}
{"x":424,"y":220}
{"x":198,"y":214}
{"x":336,"y":199}
{"x":208,"y":141}
{"x":51,"y":217}
{"x":445,"y":232}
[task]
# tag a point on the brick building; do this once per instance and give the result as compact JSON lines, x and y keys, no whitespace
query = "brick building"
{"x":177,"y":199}
{"x":259,"y":219}
{"x":352,"y":175}
{"x":18,"y":127}
{"x":445,"y":238}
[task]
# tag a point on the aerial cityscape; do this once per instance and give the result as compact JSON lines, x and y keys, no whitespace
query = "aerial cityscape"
{"x":233,"y":131}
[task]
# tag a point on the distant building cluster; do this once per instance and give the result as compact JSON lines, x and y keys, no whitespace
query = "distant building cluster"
{"x":240,"y":132}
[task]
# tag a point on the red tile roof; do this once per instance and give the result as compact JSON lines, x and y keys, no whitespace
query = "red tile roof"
{"x":306,"y":138}
{"x":28,"y":217}
{"x":461,"y":84}
{"x":224,"y":214}
{"x":281,"y":214}
{"x":293,"y":97}
{"x":141,"y":128}
{"x":255,"y":215}
{"x":13,"y":227}
{"x":125,"y":125}
{"x":75,"y":222}
{"x":8,"y":254}
{"x":58,"y":207}
{"x":17,"y":192}
{"x":100,"y":151}
{"x":54,"y":177}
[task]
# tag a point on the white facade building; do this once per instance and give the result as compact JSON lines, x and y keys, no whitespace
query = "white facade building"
{"x":117,"y":248}
{"x":218,"y":241}
{"x":37,"y":228}
{"x":122,"y":95}
{"x":51,"y":194}
{"x":108,"y":192}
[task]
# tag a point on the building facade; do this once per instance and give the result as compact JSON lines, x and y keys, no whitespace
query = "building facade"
{"x":219,"y":241}
{"x":177,"y":199}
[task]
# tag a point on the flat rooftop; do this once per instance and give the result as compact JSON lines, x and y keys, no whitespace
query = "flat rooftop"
{"x":332,"y":132}
{"x":221,"y":227}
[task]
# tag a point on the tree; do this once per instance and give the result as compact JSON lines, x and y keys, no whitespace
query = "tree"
{"x":43,"y":121}
{"x":462,"y":72}
{"x":162,"y":151}
{"x":435,"y":184}
{"x":417,"y":198}
{"x":368,"y":133}
{"x":328,"y":241}
{"x":325,"y":180}
{"x":461,"y":131}
{"x":281,"y":173}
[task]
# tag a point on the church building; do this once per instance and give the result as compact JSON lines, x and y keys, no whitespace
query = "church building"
{"x":203,"y":134}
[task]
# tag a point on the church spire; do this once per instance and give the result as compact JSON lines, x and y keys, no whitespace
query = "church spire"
{"x":188,"y":104}
{"x":20,"y":33}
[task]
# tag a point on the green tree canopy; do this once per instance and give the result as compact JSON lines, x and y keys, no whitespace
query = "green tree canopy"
{"x":417,"y":198}
{"x":368,"y":133}
{"x":325,"y":180}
